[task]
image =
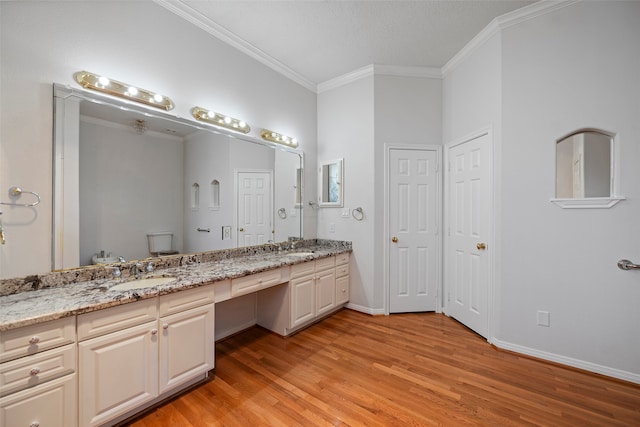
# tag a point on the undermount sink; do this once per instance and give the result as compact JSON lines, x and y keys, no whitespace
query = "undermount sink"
{"x":300,"y":254}
{"x":142,"y":283}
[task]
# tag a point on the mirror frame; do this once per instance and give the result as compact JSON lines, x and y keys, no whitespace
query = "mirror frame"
{"x":322,"y":178}
{"x":65,"y":214}
{"x":590,"y":202}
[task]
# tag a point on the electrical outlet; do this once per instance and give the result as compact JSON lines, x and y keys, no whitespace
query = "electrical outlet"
{"x":332,"y":227}
{"x":544,"y":318}
{"x":345,"y":213}
{"x":226,"y":232}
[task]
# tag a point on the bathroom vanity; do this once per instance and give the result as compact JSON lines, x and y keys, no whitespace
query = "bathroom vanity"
{"x":88,"y":353}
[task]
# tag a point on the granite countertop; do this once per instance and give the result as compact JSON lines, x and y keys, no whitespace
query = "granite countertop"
{"x":82,"y":296}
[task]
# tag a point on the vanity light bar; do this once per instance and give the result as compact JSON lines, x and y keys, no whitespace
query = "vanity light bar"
{"x":122,"y":90}
{"x":221,"y":120}
{"x":278,"y":138}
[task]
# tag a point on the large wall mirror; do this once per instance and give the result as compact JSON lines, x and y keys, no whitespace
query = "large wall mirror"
{"x":130,"y":183}
{"x":585,"y":170}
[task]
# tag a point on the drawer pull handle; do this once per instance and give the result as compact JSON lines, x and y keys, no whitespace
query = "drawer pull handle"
{"x":154,"y":332}
{"x":34,"y":424}
{"x":35,"y":371}
{"x":34,"y":340}
{"x":165,"y":326}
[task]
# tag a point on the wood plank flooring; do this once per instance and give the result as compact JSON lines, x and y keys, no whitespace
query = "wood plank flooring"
{"x":402,"y":370}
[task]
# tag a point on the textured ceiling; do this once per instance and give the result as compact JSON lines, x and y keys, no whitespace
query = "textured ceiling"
{"x":321,"y":40}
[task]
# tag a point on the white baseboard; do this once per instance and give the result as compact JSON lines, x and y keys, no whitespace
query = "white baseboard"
{"x":576,"y":363}
{"x":367,"y":310}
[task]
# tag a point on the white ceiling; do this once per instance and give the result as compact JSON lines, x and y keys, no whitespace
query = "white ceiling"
{"x":314,"y":41}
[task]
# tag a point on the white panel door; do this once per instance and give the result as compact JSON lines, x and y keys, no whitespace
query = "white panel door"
{"x":254,"y":216}
{"x":413,"y":220}
{"x":468,"y":219}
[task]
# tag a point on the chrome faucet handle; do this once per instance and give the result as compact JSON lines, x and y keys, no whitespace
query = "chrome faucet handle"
{"x":150,"y":267}
{"x":116,"y":272}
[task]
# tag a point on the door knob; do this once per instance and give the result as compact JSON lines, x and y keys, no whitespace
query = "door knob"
{"x":481,"y":246}
{"x":394,"y":239}
{"x":242,"y":229}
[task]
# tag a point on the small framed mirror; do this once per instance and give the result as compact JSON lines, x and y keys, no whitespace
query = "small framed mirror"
{"x":330,"y":186}
{"x":585,"y":170}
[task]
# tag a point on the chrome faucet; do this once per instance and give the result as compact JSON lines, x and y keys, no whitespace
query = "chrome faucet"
{"x":136,"y":269}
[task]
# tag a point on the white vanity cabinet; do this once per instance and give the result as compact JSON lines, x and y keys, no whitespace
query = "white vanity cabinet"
{"x":37,"y":375}
{"x":187,"y":347}
{"x":342,"y":278}
{"x":118,"y":360}
{"x":314,"y":291}
{"x":131,"y":355}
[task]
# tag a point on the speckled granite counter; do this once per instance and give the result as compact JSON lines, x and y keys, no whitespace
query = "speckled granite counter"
{"x":72,"y":292}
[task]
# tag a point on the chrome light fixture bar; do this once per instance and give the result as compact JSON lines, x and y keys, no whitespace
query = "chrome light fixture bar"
{"x":122,"y":90}
{"x":221,"y":120}
{"x":278,"y":138}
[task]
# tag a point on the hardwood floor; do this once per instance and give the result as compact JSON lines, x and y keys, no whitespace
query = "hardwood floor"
{"x":402,"y":370}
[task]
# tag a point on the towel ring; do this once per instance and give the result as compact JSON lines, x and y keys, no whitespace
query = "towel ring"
{"x":282,"y":213}
{"x":15,"y":192}
{"x":357,"y":214}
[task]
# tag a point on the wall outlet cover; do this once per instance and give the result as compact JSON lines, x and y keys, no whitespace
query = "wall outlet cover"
{"x":544,"y":318}
{"x":226,"y":232}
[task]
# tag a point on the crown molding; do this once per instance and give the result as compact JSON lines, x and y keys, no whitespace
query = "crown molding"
{"x":182,"y":10}
{"x":504,"y":21}
{"x":419,"y":72}
{"x":380,"y":70}
{"x":344,"y":79}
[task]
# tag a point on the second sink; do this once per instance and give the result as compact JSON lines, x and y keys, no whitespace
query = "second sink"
{"x":142,"y":283}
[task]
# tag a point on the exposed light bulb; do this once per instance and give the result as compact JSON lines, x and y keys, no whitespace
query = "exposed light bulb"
{"x":103,"y":81}
{"x":227,"y":119}
{"x":133,"y":91}
{"x":157,"y":97}
{"x":242,"y":124}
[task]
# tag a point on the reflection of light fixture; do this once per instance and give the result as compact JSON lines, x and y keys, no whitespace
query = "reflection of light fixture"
{"x":278,"y":138}
{"x":122,"y":90}
{"x":140,"y":126}
{"x":221,"y":120}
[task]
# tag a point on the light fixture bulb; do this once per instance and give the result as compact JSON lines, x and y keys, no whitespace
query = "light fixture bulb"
{"x":133,"y":91}
{"x":103,"y":81}
{"x":242,"y":124}
{"x":227,"y":119}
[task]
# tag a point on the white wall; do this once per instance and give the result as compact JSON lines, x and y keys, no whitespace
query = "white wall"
{"x":408,"y":110}
{"x":136,"y":42}
{"x":535,"y":82}
{"x":346,"y":130}
{"x":574,"y":68}
{"x":355,"y":121}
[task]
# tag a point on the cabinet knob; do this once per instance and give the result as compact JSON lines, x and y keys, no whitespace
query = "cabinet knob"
{"x":242,"y":229}
{"x":154,"y":332}
{"x":35,"y":371}
{"x":394,"y":239}
{"x":481,"y":246}
{"x":165,"y":326}
{"x":344,"y":291}
{"x":34,"y":340}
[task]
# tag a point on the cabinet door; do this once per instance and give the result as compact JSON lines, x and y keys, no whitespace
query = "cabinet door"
{"x":325,"y":291}
{"x":303,"y":298}
{"x":342,"y":290}
{"x":186,"y":346}
{"x":51,"y":404}
{"x":117,"y":372}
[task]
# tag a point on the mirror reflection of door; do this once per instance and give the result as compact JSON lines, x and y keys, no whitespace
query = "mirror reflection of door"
{"x":254,"y":197}
{"x":583,"y":165}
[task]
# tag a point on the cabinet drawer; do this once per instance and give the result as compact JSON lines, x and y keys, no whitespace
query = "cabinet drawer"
{"x":29,"y":371}
{"x":303,"y":269}
{"x":324,"y":263}
{"x":180,"y":301}
{"x":50,"y":404}
{"x":36,"y":338}
{"x":342,"y":258}
{"x":255,"y":282}
{"x":342,"y":270}
{"x":116,"y":318}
